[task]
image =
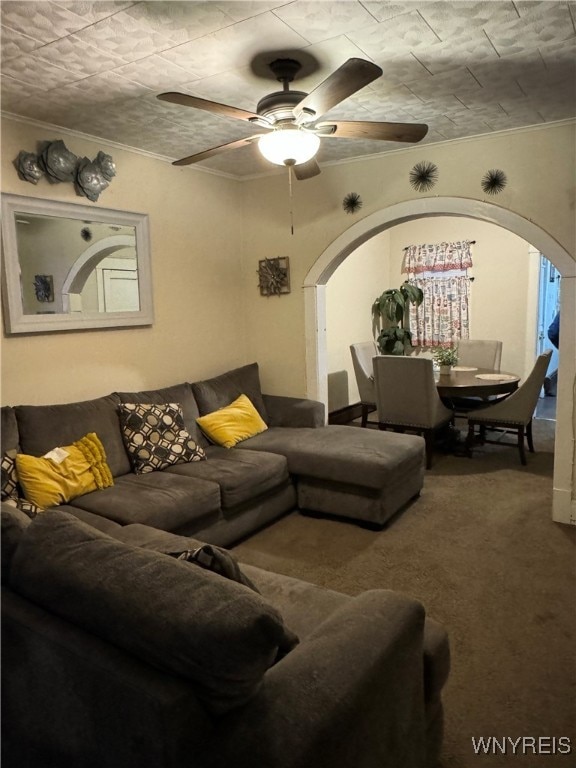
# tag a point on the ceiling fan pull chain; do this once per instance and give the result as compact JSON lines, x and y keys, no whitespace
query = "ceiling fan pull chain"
{"x":290,"y":166}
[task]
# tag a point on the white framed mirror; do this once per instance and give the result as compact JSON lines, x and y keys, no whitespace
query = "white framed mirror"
{"x":73,"y":267}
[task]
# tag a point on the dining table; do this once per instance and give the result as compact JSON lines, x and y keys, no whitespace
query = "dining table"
{"x":466,"y":381}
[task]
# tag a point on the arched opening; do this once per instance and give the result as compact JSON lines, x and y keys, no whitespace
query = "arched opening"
{"x":348,"y":241}
{"x":88,"y":261}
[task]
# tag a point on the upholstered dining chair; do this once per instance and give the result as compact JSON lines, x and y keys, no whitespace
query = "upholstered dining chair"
{"x":480,"y":353}
{"x":362,"y":354}
{"x":407,"y":399}
{"x":514,"y":413}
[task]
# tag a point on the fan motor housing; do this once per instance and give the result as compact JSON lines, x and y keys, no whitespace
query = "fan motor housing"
{"x":279,"y":105}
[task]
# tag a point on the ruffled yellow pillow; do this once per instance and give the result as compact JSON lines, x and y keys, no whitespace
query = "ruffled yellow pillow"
{"x":233,"y":423}
{"x":64,"y":473}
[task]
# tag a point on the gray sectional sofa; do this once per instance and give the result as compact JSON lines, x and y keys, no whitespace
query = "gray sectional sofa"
{"x":296,"y":462}
{"x":118,"y":655}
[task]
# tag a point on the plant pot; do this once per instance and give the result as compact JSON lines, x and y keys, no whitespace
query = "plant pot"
{"x":445,"y":370}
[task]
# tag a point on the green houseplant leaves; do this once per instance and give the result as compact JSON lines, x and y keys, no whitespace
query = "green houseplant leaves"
{"x":391,"y":310}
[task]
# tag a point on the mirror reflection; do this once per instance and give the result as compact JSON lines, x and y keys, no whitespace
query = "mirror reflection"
{"x":72,"y":265}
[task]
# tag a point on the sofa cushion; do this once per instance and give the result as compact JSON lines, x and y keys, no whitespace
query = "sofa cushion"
{"x":65,"y":472}
{"x":235,"y":422}
{"x":215,"y":393}
{"x":41,"y":427}
{"x":158,"y":499}
{"x":179,"y":393}
{"x":9,"y":488}
{"x":359,"y":457}
{"x":9,"y":429}
{"x":216,"y":633}
{"x":155,"y":437}
{"x":241,"y":475}
{"x":14,"y":523}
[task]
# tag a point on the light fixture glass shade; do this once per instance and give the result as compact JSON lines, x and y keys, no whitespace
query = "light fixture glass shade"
{"x":289,"y":146}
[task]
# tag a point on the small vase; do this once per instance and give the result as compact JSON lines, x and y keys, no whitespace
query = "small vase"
{"x":445,"y":370}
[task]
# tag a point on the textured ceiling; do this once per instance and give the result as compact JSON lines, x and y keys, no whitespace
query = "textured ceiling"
{"x":463,"y":67}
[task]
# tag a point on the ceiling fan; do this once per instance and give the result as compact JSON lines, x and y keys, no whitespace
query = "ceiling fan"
{"x":290,"y":119}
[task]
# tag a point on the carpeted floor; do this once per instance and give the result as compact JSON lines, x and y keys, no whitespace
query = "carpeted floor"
{"x":480,"y":551}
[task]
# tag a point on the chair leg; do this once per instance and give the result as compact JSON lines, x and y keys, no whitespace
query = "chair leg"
{"x":529,"y":436}
{"x":364,"y":415}
{"x":521,"y":445}
{"x":469,"y":440}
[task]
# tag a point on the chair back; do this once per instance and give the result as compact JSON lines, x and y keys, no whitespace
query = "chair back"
{"x":406,"y":392}
{"x":480,"y":353}
{"x":362,"y":354}
{"x":519,"y":407}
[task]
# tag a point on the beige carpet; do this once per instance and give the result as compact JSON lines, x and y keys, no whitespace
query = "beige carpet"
{"x":481,"y":552}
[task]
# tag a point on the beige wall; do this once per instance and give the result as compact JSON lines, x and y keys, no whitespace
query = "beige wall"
{"x":349,"y":296}
{"x":539,"y":165}
{"x":503,"y":300}
{"x":196,"y":243}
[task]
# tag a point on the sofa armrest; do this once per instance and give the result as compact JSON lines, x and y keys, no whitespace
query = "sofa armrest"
{"x":349,"y":696}
{"x":294,"y":412}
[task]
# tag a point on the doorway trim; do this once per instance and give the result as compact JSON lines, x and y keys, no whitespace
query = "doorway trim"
{"x":564,"y":506}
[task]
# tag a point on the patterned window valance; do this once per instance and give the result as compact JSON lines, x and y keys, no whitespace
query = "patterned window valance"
{"x":438,"y":257}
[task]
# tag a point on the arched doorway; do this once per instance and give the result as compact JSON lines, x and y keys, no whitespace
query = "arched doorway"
{"x":348,"y":241}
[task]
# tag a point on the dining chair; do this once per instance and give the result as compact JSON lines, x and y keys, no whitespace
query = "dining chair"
{"x":477,"y":353}
{"x":512,"y":414}
{"x":362,"y":354}
{"x":407,"y":399}
{"x":480,"y":353}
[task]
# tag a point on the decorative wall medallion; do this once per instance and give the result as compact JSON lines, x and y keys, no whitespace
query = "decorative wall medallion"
{"x":106,"y":164}
{"x":90,"y":177}
{"x":352,"y":202}
{"x":58,"y":162}
{"x":44,"y":287}
{"x":28,"y":167}
{"x":494,"y":181}
{"x":274,"y":276}
{"x":423,"y":176}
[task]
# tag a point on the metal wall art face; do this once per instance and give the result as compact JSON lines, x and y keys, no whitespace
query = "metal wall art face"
{"x":57,"y":163}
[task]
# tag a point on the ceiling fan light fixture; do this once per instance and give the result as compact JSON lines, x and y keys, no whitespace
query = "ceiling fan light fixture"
{"x":286,"y":146}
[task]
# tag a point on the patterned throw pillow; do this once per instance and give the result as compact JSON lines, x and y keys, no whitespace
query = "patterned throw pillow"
{"x":11,"y":490}
{"x":155,"y":436}
{"x":9,"y":476}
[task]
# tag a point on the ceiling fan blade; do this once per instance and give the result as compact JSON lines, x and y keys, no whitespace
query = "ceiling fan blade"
{"x":306,"y":170}
{"x":367,"y":130}
{"x":353,"y":75}
{"x":215,"y":151}
{"x":223,"y":110}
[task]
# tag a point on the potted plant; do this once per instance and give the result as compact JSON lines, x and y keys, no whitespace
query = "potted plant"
{"x":391,"y":308}
{"x":446,"y":357}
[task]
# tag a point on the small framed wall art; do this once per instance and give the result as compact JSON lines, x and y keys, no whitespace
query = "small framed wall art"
{"x":274,"y":276}
{"x":44,"y":287}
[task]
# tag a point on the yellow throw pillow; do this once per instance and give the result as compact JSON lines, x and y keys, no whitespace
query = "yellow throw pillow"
{"x":232,"y":424}
{"x":64,"y":473}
